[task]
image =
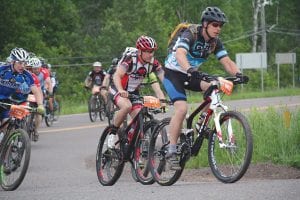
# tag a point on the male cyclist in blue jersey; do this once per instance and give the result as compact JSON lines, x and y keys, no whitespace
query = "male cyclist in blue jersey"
{"x":15,"y":79}
{"x":181,"y":66}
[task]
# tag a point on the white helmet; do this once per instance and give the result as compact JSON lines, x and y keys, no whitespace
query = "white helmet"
{"x":19,"y":54}
{"x":34,"y":62}
{"x":97,"y":64}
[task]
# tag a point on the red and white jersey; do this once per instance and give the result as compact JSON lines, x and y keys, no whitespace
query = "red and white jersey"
{"x":36,"y":80}
{"x":137,"y":71}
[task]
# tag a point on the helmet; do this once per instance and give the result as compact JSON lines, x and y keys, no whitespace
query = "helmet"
{"x":97,"y":64}
{"x":213,"y":14}
{"x":145,"y":43}
{"x":115,"y":61}
{"x":34,"y":62}
{"x":18,"y":54}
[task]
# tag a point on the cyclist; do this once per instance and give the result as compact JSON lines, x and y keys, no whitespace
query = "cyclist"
{"x":181,"y":67}
{"x":14,"y":79}
{"x":33,"y":62}
{"x":95,"y":79}
{"x":129,"y":75}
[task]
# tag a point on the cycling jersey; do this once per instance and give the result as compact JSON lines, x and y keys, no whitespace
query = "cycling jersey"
{"x":23,"y":97}
{"x":197,"y":50}
{"x":135,"y":73}
{"x":97,"y":77}
{"x":11,"y":82}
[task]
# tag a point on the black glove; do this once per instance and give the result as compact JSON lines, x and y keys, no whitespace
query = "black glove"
{"x":192,"y":72}
{"x":243,"y":78}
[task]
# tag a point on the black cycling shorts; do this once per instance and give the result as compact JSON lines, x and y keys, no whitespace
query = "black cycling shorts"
{"x":176,"y":82}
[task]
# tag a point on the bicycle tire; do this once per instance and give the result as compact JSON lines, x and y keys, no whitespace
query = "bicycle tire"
{"x":110,"y":110}
{"x":141,"y":164}
{"x":14,"y":159}
{"x":231,"y":163}
{"x":157,"y":150}
{"x":102,"y":109}
{"x":57,"y":110}
{"x":109,"y":163}
{"x":92,"y":109}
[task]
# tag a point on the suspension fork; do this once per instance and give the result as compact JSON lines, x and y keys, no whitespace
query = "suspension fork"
{"x":219,"y":131}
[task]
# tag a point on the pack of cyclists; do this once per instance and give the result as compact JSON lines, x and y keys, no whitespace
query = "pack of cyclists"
{"x":23,"y":74}
{"x":24,"y":79}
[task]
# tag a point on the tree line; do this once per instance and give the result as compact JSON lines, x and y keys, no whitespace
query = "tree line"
{"x":72,"y":34}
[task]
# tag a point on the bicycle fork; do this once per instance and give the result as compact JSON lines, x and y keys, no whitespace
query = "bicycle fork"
{"x":219,"y":131}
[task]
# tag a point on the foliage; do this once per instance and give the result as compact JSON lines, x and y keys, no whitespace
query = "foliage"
{"x":69,"y":33}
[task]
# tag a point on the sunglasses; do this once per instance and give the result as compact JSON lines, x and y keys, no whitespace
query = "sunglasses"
{"x":215,"y":24}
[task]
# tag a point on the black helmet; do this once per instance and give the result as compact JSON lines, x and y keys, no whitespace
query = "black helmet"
{"x":213,"y":14}
{"x":115,"y":61}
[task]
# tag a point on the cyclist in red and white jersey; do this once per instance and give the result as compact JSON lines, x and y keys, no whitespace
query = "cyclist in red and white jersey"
{"x":129,"y":75}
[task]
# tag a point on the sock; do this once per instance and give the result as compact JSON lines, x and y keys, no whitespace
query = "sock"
{"x":172,"y":148}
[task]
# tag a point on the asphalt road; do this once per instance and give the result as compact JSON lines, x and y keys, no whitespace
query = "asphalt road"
{"x":62,"y":166}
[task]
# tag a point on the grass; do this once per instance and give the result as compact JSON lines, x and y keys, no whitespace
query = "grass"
{"x":276,"y":138}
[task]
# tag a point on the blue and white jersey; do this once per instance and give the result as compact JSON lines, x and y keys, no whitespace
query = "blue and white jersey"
{"x":197,"y":50}
{"x":12,"y":82}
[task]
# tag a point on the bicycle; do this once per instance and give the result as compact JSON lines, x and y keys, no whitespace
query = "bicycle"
{"x":132,"y":146}
{"x":96,"y":106}
{"x":229,"y":137}
{"x":15,"y":148}
{"x":51,"y":116}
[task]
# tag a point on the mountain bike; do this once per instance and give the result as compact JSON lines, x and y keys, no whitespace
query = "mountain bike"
{"x":51,"y":116}
{"x":15,"y":148}
{"x":96,"y":106}
{"x":131,"y":146}
{"x":229,"y":137}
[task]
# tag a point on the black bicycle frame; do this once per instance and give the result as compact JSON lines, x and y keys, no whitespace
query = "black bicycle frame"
{"x":137,"y":125}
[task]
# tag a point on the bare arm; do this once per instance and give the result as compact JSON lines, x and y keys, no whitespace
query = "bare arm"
{"x":120,"y":72}
{"x":181,"y":58}
{"x":48,"y":85}
{"x":37,"y":92}
{"x":106,"y":80}
{"x":229,"y":66}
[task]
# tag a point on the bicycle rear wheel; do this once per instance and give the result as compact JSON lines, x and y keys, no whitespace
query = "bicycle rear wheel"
{"x":14,"y":159}
{"x":141,"y":164}
{"x":109,"y":163}
{"x":160,"y":168}
{"x":229,"y":163}
{"x":92,"y":108}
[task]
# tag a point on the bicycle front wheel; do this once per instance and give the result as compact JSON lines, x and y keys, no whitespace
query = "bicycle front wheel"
{"x":141,"y":164}
{"x":109,"y":163}
{"x":14,"y":159}
{"x":160,"y":168}
{"x":92,"y":108}
{"x":230,"y":160}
